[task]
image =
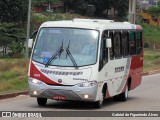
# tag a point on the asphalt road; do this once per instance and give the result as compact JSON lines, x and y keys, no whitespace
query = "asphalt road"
{"x":144,"y":98}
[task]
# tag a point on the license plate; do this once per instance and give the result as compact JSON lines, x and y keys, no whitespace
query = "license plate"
{"x":59,"y":97}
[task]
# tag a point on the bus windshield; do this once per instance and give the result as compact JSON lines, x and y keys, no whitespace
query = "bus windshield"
{"x":77,"y":47}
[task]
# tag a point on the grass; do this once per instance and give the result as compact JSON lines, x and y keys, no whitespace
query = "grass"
{"x":151,"y":60}
{"x":151,"y":35}
{"x":13,"y":75}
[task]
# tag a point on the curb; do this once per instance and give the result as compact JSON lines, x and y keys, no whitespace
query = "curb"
{"x":10,"y":95}
{"x":151,"y":72}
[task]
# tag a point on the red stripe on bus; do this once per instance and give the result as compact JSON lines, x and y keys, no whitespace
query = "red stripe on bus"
{"x":35,"y":73}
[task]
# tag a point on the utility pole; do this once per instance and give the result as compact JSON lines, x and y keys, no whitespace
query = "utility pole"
{"x":132,"y":11}
{"x":28,"y":28}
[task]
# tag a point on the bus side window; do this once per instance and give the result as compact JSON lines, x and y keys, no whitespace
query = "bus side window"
{"x":112,"y":48}
{"x":117,"y":45}
{"x":132,"y":43}
{"x":125,"y":44}
{"x":104,"y":50}
{"x":138,"y":42}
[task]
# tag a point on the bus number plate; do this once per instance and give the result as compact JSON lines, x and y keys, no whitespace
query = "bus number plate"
{"x":58,"y":97}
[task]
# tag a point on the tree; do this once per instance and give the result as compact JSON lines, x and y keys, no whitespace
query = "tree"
{"x":12,"y":38}
{"x":155,"y":12}
{"x":121,"y":6}
{"x":13,"y":17}
{"x":13,"y":11}
{"x":106,"y":5}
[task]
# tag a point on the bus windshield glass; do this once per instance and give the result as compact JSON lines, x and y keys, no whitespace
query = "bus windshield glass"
{"x":81,"y":44}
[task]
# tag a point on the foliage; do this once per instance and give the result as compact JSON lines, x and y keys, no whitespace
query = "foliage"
{"x":155,"y":12}
{"x":13,"y":11}
{"x":16,"y":49}
{"x":13,"y":17}
{"x":102,"y":5}
{"x":158,"y":3}
{"x":151,"y":36}
{"x":11,"y":37}
{"x":99,"y":6}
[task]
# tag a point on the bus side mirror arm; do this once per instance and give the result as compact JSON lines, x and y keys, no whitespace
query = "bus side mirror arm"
{"x":108,"y":43}
{"x":34,"y":33}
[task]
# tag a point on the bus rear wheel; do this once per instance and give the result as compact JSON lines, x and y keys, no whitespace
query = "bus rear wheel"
{"x":42,"y":101}
{"x":122,"y":96}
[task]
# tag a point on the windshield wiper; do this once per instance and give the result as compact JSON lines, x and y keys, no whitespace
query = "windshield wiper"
{"x":54,"y":56}
{"x":71,"y":57}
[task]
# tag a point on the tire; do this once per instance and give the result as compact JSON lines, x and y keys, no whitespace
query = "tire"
{"x":42,"y":101}
{"x":116,"y":98}
{"x":98,"y":104}
{"x":124,"y":96}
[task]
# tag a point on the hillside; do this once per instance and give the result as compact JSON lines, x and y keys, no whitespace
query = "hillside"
{"x":151,"y":36}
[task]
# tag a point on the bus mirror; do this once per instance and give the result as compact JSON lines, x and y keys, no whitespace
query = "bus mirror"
{"x":30,"y":43}
{"x":108,"y":43}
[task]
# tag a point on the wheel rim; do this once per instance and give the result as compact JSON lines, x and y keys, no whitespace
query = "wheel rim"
{"x":126,"y":92}
{"x":101,"y":99}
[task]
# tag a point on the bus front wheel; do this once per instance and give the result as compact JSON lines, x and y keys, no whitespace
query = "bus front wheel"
{"x":98,"y":104}
{"x":42,"y":101}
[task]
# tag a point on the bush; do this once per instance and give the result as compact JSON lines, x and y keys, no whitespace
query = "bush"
{"x":146,"y":45}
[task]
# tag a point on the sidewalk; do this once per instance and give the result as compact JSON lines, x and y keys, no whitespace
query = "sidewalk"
{"x":26,"y":92}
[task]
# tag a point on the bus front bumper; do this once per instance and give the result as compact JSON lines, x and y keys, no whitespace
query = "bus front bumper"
{"x":63,"y":92}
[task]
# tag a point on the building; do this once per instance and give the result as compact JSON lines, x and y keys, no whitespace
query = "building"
{"x":48,"y":7}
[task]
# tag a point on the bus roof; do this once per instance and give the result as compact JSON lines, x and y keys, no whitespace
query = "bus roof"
{"x":99,"y":24}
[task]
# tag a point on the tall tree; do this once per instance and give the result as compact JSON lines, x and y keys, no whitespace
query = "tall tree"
{"x":13,"y":11}
{"x":106,"y":5}
{"x":121,"y":6}
{"x":11,"y":35}
{"x":155,"y":12}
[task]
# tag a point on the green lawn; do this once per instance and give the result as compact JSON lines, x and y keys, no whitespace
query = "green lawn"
{"x":151,"y":60}
{"x":151,"y":35}
{"x":13,"y":75}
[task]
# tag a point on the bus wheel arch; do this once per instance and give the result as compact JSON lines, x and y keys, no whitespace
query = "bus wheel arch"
{"x":124,"y":96}
{"x":104,"y":89}
{"x":99,"y":103}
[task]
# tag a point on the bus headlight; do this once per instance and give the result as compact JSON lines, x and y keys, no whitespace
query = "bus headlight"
{"x":35,"y":81}
{"x":87,"y":84}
